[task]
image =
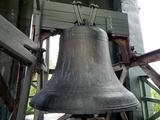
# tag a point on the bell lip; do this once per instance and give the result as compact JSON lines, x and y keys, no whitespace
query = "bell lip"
{"x":130,"y":107}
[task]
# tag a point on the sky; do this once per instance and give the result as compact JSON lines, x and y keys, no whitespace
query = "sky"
{"x":149,"y":11}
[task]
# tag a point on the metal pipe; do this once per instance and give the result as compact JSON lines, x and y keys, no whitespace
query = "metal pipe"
{"x":94,"y":14}
{"x":91,"y":12}
{"x":77,"y":12}
{"x":79,"y":3}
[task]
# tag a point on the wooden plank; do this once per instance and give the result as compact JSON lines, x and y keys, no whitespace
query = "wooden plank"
{"x":67,"y":16}
{"x":5,"y":94}
{"x":52,"y":6}
{"x":25,"y":93}
{"x":54,"y":13}
{"x":50,"y":24}
{"x":15,"y":43}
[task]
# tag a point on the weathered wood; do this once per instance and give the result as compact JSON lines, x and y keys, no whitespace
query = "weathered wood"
{"x":124,"y":116}
{"x":15,"y":43}
{"x":146,"y":58}
{"x":13,"y":115}
{"x":109,"y":116}
{"x":124,"y":49}
{"x":25,"y":93}
{"x":155,"y":77}
{"x":61,"y":16}
{"x":6,"y":95}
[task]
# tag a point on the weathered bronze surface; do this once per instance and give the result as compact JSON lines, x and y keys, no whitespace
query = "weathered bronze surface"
{"x":84,"y":81}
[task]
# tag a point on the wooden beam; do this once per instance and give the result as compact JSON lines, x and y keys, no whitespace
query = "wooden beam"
{"x":146,"y":58}
{"x":155,"y":77}
{"x":6,"y":95}
{"x":15,"y":43}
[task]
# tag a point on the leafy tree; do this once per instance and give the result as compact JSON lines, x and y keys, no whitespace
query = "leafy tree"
{"x":155,"y":106}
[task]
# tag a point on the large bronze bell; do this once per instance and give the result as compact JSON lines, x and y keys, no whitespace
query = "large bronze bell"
{"x":84,"y":81}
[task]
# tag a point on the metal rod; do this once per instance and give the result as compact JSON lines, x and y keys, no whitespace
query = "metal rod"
{"x":77,"y":14}
{"x":79,"y":11}
{"x":151,"y":100}
{"x":94,"y":14}
{"x":155,"y":116}
{"x":91,"y":12}
{"x":143,"y":94}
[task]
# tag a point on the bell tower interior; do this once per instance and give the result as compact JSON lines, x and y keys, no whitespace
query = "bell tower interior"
{"x":28,"y":58}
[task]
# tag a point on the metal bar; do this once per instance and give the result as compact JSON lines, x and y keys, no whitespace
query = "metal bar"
{"x":151,"y":100}
{"x":25,"y":93}
{"x":91,"y":12}
{"x":151,"y":85}
{"x":77,"y":12}
{"x":143,"y":94}
{"x":155,"y":77}
{"x":94,"y":14}
{"x":155,"y":116}
{"x":33,"y":85}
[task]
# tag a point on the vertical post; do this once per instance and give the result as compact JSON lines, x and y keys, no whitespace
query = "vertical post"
{"x":37,"y":26}
{"x":143,"y":94}
{"x":39,"y":115}
{"x":25,"y":93}
{"x":47,"y":54}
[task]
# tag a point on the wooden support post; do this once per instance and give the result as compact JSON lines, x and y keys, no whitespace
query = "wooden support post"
{"x":109,"y":115}
{"x":6,"y":95}
{"x":155,"y":77}
{"x":124,"y":116}
{"x":25,"y":93}
{"x":123,"y":44}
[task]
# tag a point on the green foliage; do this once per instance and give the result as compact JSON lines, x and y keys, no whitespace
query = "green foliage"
{"x":155,"y":106}
{"x":30,"y":110}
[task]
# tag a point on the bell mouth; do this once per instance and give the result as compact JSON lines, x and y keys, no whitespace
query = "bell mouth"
{"x":73,"y":104}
